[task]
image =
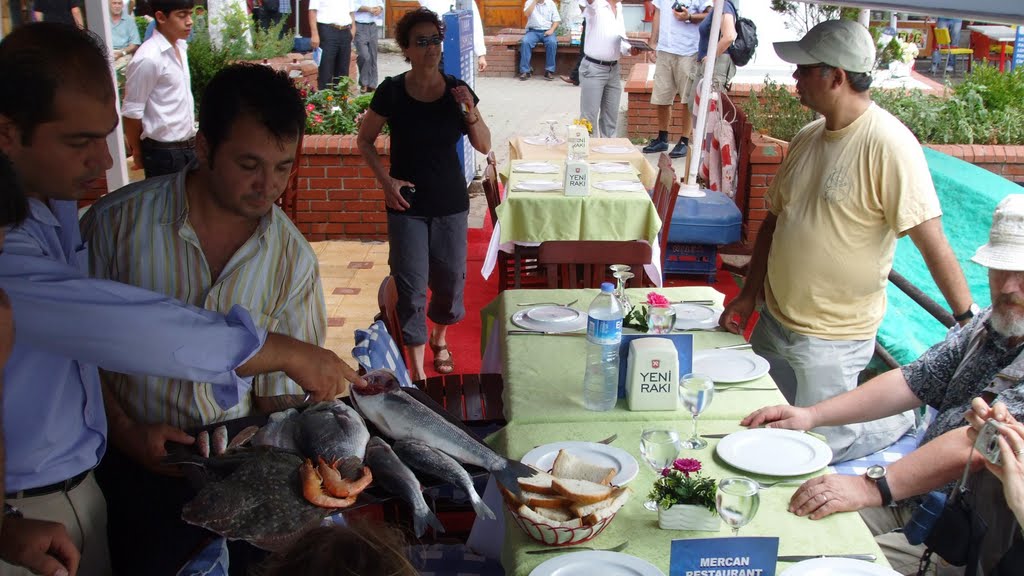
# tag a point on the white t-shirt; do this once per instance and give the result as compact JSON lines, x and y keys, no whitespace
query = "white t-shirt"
{"x":157,"y":91}
{"x":543,"y":16}
{"x":606,"y":31}
{"x":338,"y":12}
{"x":679,"y":37}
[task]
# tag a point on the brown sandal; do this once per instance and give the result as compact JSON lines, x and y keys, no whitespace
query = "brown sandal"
{"x":445,"y":366}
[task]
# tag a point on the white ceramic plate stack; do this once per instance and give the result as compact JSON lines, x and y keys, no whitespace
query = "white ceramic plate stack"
{"x":543,"y":141}
{"x":838,"y":567}
{"x":611,"y":168}
{"x":537,"y":186}
{"x":696,"y":317}
{"x":535,"y":167}
{"x":543,"y":457}
{"x":591,"y":562}
{"x":611,"y":149}
{"x":620,"y":186}
{"x":774,"y":452}
{"x":729,"y":366}
{"x":553,"y":319}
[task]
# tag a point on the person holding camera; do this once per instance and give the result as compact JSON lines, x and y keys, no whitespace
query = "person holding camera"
{"x":973,"y":361}
{"x":425,"y":190}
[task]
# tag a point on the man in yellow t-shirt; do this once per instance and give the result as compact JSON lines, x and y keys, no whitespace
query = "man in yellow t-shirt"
{"x":853,"y":182}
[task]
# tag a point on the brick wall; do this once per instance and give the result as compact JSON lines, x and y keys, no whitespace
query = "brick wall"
{"x":337,"y":194}
{"x":503,"y":55}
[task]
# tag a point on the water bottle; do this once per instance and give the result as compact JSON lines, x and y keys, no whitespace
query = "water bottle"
{"x":604,"y":333}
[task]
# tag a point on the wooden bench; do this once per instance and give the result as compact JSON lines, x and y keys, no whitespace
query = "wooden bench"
{"x":503,"y":55}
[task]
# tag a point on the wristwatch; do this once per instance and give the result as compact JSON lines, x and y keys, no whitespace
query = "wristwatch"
{"x":967,"y":314}
{"x":11,"y":511}
{"x":876,"y":474}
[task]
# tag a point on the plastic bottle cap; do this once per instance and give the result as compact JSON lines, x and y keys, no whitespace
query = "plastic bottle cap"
{"x":607,"y":287}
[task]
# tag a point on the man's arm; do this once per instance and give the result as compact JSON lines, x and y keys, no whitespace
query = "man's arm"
{"x":141,"y":77}
{"x":133,"y":136}
{"x":76,"y":13}
{"x":529,"y":7}
{"x":698,"y":17}
{"x":655,"y":27}
{"x":314,"y":34}
{"x":743,"y":305}
{"x":943,"y":265}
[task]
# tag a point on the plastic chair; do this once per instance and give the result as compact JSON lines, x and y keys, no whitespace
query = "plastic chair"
{"x":946,"y":48}
{"x":649,"y":10}
{"x":584,"y":263}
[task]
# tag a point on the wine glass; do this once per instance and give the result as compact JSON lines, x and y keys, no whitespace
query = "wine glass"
{"x":623,"y":278}
{"x":737,"y":501}
{"x":696,"y":392}
{"x":659,"y":447}
{"x":550,"y":139}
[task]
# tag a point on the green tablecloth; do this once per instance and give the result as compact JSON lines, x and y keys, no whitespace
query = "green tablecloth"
{"x":518,"y":149}
{"x":542,"y":216}
{"x":837,"y":534}
{"x":544,"y":373}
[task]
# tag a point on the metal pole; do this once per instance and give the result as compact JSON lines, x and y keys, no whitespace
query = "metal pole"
{"x":697,"y":139}
{"x":97,"y":13}
{"x":922,"y":299}
{"x":864,"y":17}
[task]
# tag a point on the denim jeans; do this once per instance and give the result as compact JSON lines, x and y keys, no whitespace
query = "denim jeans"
{"x":953,"y":25}
{"x":530,"y":40}
{"x":337,"y":51}
{"x":161,"y":161}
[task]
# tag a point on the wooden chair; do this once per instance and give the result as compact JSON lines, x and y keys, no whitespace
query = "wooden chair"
{"x":584,"y":263}
{"x":289,"y":201}
{"x":519,"y":269}
{"x":945,"y":46}
{"x":666,"y":190}
{"x":387,"y":303}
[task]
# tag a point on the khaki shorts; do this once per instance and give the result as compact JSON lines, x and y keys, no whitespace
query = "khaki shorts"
{"x":673,"y":74}
{"x":724,"y":72}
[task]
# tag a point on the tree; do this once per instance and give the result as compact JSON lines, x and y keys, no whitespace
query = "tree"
{"x":802,"y":16}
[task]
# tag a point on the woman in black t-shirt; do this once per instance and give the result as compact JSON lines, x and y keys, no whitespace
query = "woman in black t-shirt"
{"x":425,"y":191}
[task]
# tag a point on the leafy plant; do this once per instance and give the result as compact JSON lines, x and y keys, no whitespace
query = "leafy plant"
{"x":998,"y":90}
{"x":334,"y":110}
{"x":683,"y":484}
{"x":802,"y":16}
{"x":142,"y":24}
{"x":774,"y":111}
{"x":204,"y":58}
{"x":243,"y":39}
{"x":637,"y":317}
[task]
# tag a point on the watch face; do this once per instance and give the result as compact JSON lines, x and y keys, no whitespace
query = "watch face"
{"x":875,"y":472}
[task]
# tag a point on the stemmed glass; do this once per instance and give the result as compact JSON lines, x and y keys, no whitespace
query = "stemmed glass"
{"x":737,"y":501}
{"x":696,"y":392}
{"x":550,"y":139}
{"x":619,"y":272}
{"x":659,"y":447}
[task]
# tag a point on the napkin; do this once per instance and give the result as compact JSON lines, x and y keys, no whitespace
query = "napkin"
{"x":611,"y":168}
{"x":537,"y":185}
{"x":536,"y":168}
{"x":620,"y":186}
{"x":613,"y":149}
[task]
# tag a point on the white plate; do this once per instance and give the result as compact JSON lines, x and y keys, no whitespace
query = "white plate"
{"x":545,"y":314}
{"x":694,"y":313}
{"x":613,"y":149}
{"x":838,"y":567}
{"x":730,"y":366}
{"x":774,"y":452}
{"x":536,"y":168}
{"x":522,"y":320}
{"x":620,"y":186}
{"x":537,"y":185}
{"x":590,"y":562}
{"x":543,"y":141}
{"x":611,"y":168}
{"x":543,"y":457}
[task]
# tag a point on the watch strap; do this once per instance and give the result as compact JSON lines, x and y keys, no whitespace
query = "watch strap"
{"x":883,"y":489}
{"x":965,"y":315}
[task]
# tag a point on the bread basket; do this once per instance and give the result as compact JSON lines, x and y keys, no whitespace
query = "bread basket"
{"x":556,"y":535}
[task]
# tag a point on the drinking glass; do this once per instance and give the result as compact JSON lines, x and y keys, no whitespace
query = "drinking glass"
{"x":659,"y":447}
{"x":550,"y":139}
{"x":660,"y":319}
{"x":737,"y":501}
{"x":696,"y":392}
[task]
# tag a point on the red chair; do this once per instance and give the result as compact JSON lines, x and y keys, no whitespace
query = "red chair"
{"x":584,"y":263}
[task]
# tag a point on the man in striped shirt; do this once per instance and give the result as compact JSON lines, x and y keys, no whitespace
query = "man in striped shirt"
{"x":210,"y":236}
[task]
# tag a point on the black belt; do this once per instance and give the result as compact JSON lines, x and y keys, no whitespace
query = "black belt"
{"x":601,"y":62}
{"x":64,"y":486}
{"x":183,"y":145}
{"x":337,"y":26}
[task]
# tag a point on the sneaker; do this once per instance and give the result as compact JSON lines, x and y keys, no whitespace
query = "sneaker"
{"x":679,"y":150}
{"x":549,"y":75}
{"x":655,"y":145}
{"x":524,"y":76}
{"x":949,"y":69}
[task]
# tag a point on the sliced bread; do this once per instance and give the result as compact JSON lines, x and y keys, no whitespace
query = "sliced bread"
{"x":539,"y":483}
{"x":557,"y":514}
{"x":581,"y":491}
{"x":533,"y":516}
{"x":596,"y":517}
{"x":573,"y":467}
{"x":583,"y":510}
{"x":535,"y":500}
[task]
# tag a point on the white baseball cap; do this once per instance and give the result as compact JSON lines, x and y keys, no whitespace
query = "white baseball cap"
{"x":839,"y":43}
{"x":1005,"y":248}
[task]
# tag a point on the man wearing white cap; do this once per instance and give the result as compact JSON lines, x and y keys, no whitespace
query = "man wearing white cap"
{"x":982,"y":359}
{"x":853,"y":182}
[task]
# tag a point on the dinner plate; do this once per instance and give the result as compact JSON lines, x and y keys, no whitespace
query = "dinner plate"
{"x":522,"y":320}
{"x":620,"y":186}
{"x":774,"y":452}
{"x":536,"y":168}
{"x":611,"y":168}
{"x":590,"y":562}
{"x":537,"y":185}
{"x":838,"y":567}
{"x":608,"y":149}
{"x":553,"y":314}
{"x":694,"y":313}
{"x":543,"y":457}
{"x":730,"y":366}
{"x":543,"y":141}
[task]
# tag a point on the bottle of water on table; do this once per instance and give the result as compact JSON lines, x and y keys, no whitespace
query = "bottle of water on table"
{"x":604,"y":333}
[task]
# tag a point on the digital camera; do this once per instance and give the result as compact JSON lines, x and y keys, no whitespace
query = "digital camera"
{"x":408,"y":193}
{"x":988,"y":441}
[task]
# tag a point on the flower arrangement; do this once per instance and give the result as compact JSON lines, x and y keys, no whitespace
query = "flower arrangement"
{"x":684,"y":484}
{"x":585,"y":123}
{"x":638,"y":317}
{"x":334,"y":110}
{"x":896,"y":50}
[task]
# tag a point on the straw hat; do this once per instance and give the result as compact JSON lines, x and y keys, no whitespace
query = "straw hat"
{"x":1005,"y":248}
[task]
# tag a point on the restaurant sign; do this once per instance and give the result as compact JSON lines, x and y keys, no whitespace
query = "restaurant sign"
{"x":746,"y":556}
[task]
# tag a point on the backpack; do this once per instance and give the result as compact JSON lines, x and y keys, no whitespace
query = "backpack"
{"x":745,"y":44}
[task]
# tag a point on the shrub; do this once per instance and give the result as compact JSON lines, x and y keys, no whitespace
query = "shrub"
{"x":142,"y":24}
{"x":204,"y":59}
{"x":334,"y":110}
{"x":774,"y":111}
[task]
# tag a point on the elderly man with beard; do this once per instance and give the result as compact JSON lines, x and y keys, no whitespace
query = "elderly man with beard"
{"x":967,"y":364}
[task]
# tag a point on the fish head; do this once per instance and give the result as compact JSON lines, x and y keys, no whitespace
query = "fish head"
{"x":380,"y":381}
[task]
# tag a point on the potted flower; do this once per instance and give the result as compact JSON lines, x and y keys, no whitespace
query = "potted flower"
{"x":585,"y":123}
{"x":685,"y":498}
{"x":655,"y":316}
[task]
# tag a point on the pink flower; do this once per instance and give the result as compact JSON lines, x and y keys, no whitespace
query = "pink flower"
{"x":666,"y":471}
{"x":657,"y":300}
{"x":310,"y":107}
{"x":318,"y":119}
{"x":687,"y":465}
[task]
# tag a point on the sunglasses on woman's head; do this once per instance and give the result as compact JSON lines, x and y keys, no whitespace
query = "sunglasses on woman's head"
{"x":424,"y":41}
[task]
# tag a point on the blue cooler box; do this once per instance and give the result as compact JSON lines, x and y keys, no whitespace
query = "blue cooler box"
{"x":699,"y":226}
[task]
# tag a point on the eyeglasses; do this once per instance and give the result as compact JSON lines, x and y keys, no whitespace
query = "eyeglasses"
{"x":434,"y":40}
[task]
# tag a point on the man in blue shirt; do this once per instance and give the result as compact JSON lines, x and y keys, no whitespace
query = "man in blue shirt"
{"x":124,"y":33}
{"x":56,"y":110}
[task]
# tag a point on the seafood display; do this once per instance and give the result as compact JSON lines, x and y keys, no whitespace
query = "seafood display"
{"x":443,"y":467}
{"x":396,"y":478}
{"x":334,"y":436}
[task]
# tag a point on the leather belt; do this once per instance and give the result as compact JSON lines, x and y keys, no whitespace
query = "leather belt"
{"x":183,"y":145}
{"x":608,"y":63}
{"x":339,"y":26}
{"x":64,"y":486}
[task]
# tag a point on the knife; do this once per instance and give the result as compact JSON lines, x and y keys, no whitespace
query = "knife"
{"x":543,"y":333}
{"x":704,"y":302}
{"x":714,"y":436}
{"x":742,"y":346}
{"x":799,"y":558}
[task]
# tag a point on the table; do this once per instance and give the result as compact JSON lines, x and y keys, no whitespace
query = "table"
{"x":520,"y":150}
{"x":529,"y":218}
{"x":983,"y":36}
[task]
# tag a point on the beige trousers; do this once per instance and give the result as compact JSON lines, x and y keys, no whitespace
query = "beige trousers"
{"x":83,"y":511}
{"x":904,"y":557}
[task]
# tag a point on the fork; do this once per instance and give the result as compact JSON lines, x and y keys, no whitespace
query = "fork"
{"x":607,"y":440}
{"x":744,"y":389}
{"x":548,"y":303}
{"x":618,"y":548}
{"x":764,"y":485}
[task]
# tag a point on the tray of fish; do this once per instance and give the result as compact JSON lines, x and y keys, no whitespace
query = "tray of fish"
{"x":265,"y":479}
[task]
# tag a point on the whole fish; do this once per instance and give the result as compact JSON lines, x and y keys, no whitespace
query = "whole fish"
{"x":421,"y":457}
{"x":390,"y":473}
{"x":401,"y":417}
{"x":242,"y":437}
{"x":280,"y":432}
{"x":219,"y":441}
{"x":335,"y":432}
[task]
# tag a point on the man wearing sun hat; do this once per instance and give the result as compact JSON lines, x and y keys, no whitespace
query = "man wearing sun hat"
{"x":985,"y":358}
{"x":852,"y":183}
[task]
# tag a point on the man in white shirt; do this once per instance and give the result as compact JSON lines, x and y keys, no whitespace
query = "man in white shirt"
{"x":159,"y":112}
{"x":369,"y":18}
{"x":441,"y":7}
{"x":675,"y":34}
{"x":331,"y":22}
{"x":542,"y":18}
{"x":600,"y":83}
